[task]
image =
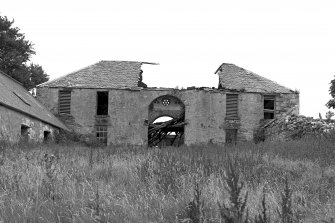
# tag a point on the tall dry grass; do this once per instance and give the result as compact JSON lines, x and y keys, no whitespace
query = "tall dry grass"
{"x":74,"y":183}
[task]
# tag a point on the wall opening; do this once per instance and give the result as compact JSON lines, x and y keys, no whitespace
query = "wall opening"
{"x":162,"y":119}
{"x":64,"y":102}
{"x":102,"y":103}
{"x":101,"y":134}
{"x":231,"y":136}
{"x":25,"y":133}
{"x":166,"y":122}
{"x":46,"y":136}
{"x":232,"y":106}
{"x":269,"y":107}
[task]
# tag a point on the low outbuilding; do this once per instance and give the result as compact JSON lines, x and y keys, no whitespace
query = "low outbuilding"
{"x":22,"y":117}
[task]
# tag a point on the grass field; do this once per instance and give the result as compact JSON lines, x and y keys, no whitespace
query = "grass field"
{"x":74,"y":183}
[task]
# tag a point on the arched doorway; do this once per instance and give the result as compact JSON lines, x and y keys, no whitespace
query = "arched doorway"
{"x":166,"y":122}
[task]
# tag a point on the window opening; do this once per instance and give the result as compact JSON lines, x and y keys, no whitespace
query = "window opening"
{"x":46,"y":136}
{"x":269,"y":107}
{"x":232,"y":106}
{"x":166,"y":101}
{"x":101,"y":134}
{"x":231,"y":136}
{"x":64,"y":102}
{"x":102,"y":103}
{"x":25,"y":132}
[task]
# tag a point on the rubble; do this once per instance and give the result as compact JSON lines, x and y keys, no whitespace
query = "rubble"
{"x":162,"y":131}
{"x":295,"y":126}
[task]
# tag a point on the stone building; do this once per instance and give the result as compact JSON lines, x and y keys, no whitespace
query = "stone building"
{"x":109,"y":99}
{"x":22,"y":117}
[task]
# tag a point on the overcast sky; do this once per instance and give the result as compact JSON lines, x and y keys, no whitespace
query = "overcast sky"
{"x":290,"y":42}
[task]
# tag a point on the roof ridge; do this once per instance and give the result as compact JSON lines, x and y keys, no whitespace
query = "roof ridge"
{"x":130,"y":61}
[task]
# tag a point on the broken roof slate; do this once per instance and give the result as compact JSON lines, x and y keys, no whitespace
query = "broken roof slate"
{"x":233,"y":77}
{"x":104,"y":74}
{"x":15,"y":96}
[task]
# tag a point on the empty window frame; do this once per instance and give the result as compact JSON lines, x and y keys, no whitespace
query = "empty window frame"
{"x":46,"y":136}
{"x":101,"y":134}
{"x":231,"y":136}
{"x":25,"y":133}
{"x":102,"y":103}
{"x":232,"y":106}
{"x":269,"y":106}
{"x":64,"y":106}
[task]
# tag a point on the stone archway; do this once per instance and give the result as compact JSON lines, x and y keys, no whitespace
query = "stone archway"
{"x":171,"y":132}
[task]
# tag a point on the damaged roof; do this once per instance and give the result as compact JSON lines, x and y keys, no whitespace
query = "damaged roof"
{"x":233,"y":77}
{"x":104,"y":74}
{"x":16,"y":97}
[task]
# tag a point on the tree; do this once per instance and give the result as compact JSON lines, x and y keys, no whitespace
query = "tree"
{"x":331,"y":102}
{"x":15,"y":52}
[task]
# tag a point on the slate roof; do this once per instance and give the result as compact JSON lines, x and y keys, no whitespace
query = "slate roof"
{"x":16,"y":97}
{"x":233,"y":77}
{"x":104,"y":74}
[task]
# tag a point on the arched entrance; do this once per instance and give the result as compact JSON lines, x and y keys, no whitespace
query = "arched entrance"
{"x":166,"y":121}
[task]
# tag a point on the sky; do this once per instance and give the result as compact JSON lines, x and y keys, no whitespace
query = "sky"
{"x":291,"y":42}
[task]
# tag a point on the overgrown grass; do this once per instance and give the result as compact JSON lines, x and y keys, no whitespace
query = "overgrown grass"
{"x":268,"y":182}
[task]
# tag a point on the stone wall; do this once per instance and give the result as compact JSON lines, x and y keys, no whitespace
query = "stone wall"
{"x":251,"y":112}
{"x":10,"y":126}
{"x":129,"y":113}
{"x":205,"y":112}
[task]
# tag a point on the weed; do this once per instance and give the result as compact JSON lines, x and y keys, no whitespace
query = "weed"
{"x":237,"y":211}
{"x":263,"y":216}
{"x":195,"y":209}
{"x":286,"y":212}
{"x":151,"y":185}
{"x":49,"y":181}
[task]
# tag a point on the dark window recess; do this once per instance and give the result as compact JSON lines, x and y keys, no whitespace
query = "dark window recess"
{"x":231,"y":136}
{"x":269,"y":107}
{"x":232,"y":106}
{"x":102,"y":103}
{"x":25,"y":132}
{"x":64,"y":102}
{"x":101,"y":134}
{"x":46,"y":136}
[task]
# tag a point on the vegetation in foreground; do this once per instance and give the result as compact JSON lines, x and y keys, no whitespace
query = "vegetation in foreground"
{"x":268,"y":182}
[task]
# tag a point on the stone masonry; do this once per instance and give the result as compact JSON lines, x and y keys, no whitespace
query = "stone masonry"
{"x":128,"y":112}
{"x":11,"y":122}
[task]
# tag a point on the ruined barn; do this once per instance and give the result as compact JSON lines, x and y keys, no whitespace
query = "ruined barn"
{"x":109,"y":100}
{"x":253,"y":102}
{"x":22,"y":117}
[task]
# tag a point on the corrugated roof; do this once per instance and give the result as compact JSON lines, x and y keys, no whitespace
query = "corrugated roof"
{"x":104,"y":74}
{"x":15,"y":96}
{"x":233,"y":77}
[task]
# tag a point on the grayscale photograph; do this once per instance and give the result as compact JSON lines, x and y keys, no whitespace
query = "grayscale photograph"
{"x":177,"y":111}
